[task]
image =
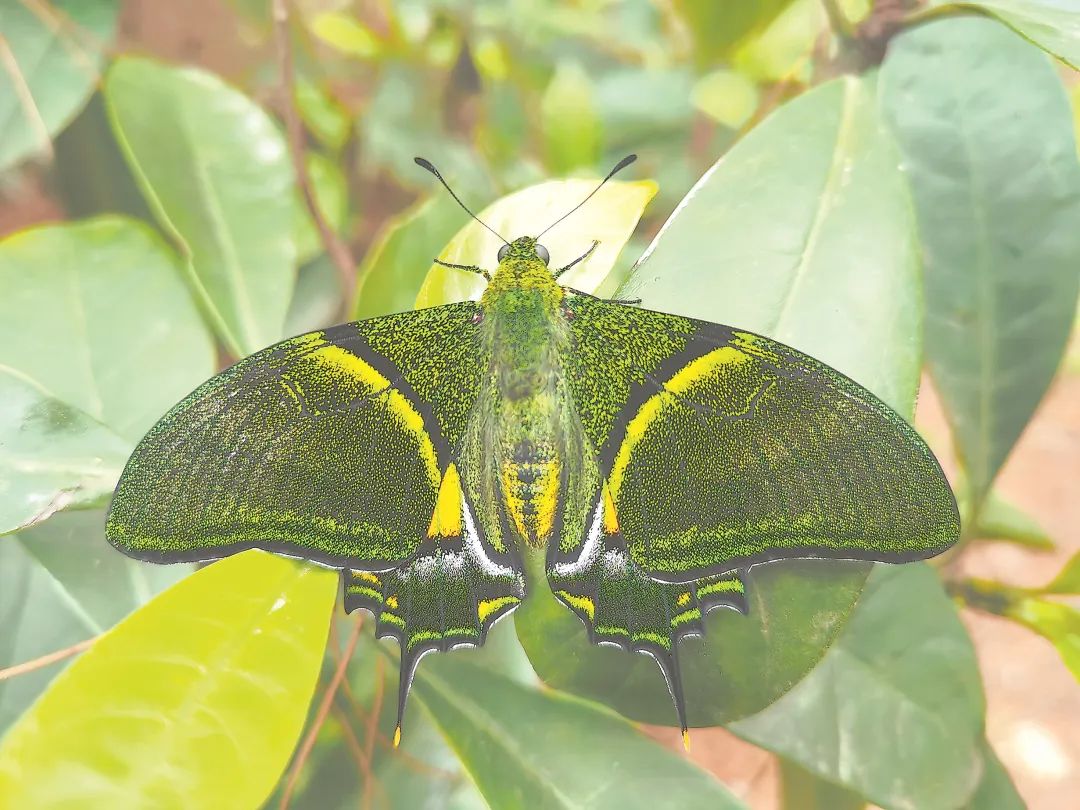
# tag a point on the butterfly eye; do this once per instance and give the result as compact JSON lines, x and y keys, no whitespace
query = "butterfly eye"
{"x":503,"y":251}
{"x":542,"y":252}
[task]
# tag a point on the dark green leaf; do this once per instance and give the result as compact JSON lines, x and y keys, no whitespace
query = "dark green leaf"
{"x":52,"y":456}
{"x":97,"y":313}
{"x":49,"y":59}
{"x":904,"y":664}
{"x":997,"y":193}
{"x":526,"y":747}
{"x":1053,"y":25}
{"x":61,"y":584}
{"x":214,"y":169}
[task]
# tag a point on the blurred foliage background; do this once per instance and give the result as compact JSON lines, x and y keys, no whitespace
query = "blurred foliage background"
{"x":891,"y":186}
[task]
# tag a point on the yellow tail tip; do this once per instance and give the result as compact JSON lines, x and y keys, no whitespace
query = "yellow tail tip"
{"x":686,"y":740}
{"x":397,"y":736}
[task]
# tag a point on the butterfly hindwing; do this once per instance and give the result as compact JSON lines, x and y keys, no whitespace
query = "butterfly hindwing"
{"x":330,"y":446}
{"x":721,"y":449}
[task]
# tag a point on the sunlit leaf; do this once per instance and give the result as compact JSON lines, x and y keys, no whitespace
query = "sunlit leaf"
{"x":194,"y":701}
{"x":214,"y":168}
{"x":609,"y":217}
{"x":997,"y":193}
{"x":98,"y":314}
{"x":1057,"y":622}
{"x":1068,"y":579}
{"x":324,"y":117}
{"x":727,"y":97}
{"x":719,"y":26}
{"x":52,"y":455}
{"x":50,"y":54}
{"x":903,"y":663}
{"x":346,"y":34}
{"x":61,"y":584}
{"x":783,"y":50}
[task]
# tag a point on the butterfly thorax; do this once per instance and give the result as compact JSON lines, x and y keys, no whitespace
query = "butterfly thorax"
{"x":526,"y":328}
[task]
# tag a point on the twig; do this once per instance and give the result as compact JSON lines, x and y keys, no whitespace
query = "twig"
{"x":336,"y":247}
{"x":45,"y":660}
{"x":320,"y":716}
{"x":373,"y":726}
{"x":26,"y":98}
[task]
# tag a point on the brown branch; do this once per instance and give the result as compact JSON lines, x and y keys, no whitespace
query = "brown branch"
{"x":320,"y":716}
{"x":373,"y":726}
{"x":336,"y":247}
{"x":45,"y":660}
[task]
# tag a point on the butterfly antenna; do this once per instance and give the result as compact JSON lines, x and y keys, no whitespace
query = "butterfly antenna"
{"x":622,"y":164}
{"x":423,"y":163}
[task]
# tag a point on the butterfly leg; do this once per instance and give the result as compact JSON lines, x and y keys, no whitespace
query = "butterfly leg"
{"x":448,"y":596}
{"x":467,"y":268}
{"x":578,"y":260}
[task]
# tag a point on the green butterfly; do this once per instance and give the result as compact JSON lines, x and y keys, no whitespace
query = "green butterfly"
{"x":655,"y":457}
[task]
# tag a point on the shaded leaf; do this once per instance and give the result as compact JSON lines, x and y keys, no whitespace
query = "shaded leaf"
{"x":316,"y":300}
{"x":61,"y":583}
{"x":400,"y":257}
{"x":332,"y":194}
{"x":809,"y":240}
{"x":570,"y":124}
{"x":195,"y":700}
{"x":1053,"y":25}
{"x":52,"y":456}
{"x":50,"y":53}
{"x":574,"y":754}
{"x":997,"y":193}
{"x":214,"y":169}
{"x":996,"y":790}
{"x":609,"y":217}
{"x":801,"y":790}
{"x":915,"y":675}
{"x":98,"y":314}
{"x":1001,"y":520}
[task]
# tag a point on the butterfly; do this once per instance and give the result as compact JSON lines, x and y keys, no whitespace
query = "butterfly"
{"x":646,"y":460}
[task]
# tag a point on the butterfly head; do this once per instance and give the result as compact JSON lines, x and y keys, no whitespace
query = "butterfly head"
{"x":524,"y":248}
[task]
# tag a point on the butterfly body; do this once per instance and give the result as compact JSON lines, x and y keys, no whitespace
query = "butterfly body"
{"x":654,"y":458}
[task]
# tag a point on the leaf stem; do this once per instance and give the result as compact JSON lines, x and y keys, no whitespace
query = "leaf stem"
{"x":336,"y":247}
{"x":45,"y":660}
{"x":320,"y":716}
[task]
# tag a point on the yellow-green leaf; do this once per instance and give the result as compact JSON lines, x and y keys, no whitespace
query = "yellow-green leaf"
{"x":727,"y":97}
{"x":570,"y":122}
{"x":347,"y":34}
{"x":1057,"y":622}
{"x":609,"y":217}
{"x":1068,"y":579}
{"x":194,"y":701}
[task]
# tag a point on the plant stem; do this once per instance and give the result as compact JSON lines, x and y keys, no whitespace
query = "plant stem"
{"x":45,"y":660}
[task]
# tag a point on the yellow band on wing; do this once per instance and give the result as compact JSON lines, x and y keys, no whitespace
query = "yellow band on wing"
{"x":693,"y":372}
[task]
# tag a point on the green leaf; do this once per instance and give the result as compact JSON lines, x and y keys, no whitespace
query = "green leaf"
{"x":214,"y":169}
{"x":1053,"y":25}
{"x":609,"y":217}
{"x":1068,"y":579}
{"x":718,"y":26}
{"x":997,"y":193}
{"x":1001,"y":520}
{"x":316,"y":301}
{"x":346,"y":34}
{"x":195,"y":700}
{"x":808,"y":240}
{"x":540,"y":748}
{"x":569,"y":120}
{"x":727,"y":97}
{"x":96,"y":312}
{"x":784,"y":49}
{"x":398,"y":261}
{"x":49,"y":59}
{"x":332,"y":195}
{"x":1055,"y":621}
{"x":801,"y":790}
{"x":323,"y":115}
{"x":52,"y":456}
{"x":61,"y":584}
{"x":995,"y":790}
{"x":915,"y":676}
